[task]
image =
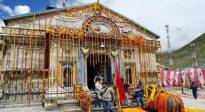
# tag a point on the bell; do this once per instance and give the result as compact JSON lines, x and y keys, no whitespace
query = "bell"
{"x":102,"y":45}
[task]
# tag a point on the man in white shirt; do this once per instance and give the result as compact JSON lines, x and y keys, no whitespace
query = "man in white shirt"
{"x":98,"y":88}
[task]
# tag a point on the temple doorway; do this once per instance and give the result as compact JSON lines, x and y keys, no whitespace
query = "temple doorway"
{"x":67,"y":75}
{"x":98,"y":64}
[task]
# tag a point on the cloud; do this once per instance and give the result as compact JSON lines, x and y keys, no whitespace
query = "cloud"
{"x":21,"y":9}
{"x":6,"y":9}
{"x":185,"y":18}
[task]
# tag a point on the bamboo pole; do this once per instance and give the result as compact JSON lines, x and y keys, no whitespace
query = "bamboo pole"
{"x":62,"y":42}
{"x":31,"y":61}
{"x":44,"y":64}
{"x":93,"y":54}
{"x":53,"y":55}
{"x":9,"y":66}
{"x":67,"y":75}
{"x":79,"y":43}
{"x":49,"y":59}
{"x":16,"y":71}
{"x":151,"y":65}
{"x":14,"y":51}
{"x":22,"y":66}
{"x":95,"y":48}
{"x":141,"y":61}
{"x":38,"y":74}
{"x":144,"y":63}
{"x":135,"y":60}
{"x":58,"y":56}
{"x":90,"y":47}
{"x":39,"y":62}
{"x":27,"y":81}
{"x":98,"y":48}
{"x":73,"y":46}
{"x":13,"y":61}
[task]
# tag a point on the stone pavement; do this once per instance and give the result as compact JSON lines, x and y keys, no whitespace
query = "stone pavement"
{"x":188,"y":99}
{"x":29,"y":109}
{"x":194,"y":104}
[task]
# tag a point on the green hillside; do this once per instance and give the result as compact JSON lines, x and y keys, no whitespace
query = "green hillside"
{"x":183,"y":56}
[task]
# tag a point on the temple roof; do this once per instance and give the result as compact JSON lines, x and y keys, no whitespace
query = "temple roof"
{"x":10,"y":18}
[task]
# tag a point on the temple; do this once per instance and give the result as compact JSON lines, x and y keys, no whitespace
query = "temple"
{"x":71,"y":45}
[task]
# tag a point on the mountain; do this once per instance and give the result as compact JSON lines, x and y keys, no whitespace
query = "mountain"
{"x":183,"y":57}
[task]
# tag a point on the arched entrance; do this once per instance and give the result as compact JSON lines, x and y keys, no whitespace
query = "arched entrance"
{"x":98,"y":64}
{"x":67,"y":75}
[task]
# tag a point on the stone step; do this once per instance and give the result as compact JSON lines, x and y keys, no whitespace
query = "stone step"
{"x":73,"y":109}
{"x":101,"y":109}
{"x":19,"y":105}
{"x":61,"y":104}
{"x":67,"y":102}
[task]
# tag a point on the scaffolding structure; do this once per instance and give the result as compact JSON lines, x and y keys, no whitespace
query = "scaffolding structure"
{"x":33,"y":58}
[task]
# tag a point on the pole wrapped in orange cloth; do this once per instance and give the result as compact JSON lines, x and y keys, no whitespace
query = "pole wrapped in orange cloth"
{"x":119,"y":85}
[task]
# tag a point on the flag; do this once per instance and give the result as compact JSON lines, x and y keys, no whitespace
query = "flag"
{"x":119,"y":85}
{"x":203,"y":73}
{"x":189,"y":76}
{"x":196,"y":77}
{"x":168,"y":78}
{"x":174,"y":79}
{"x":180,"y":78}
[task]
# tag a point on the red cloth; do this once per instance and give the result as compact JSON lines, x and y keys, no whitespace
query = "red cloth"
{"x":180,"y":78}
{"x":168,"y":78}
{"x":196,"y":77}
{"x":203,"y":73}
{"x":174,"y":79}
{"x":119,"y":85}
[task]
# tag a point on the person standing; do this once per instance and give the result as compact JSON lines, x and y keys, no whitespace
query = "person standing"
{"x":140,"y":94}
{"x":194,"y":90}
{"x":126,"y":86}
{"x":98,"y":75}
{"x":107,"y":94}
{"x":98,"y":87}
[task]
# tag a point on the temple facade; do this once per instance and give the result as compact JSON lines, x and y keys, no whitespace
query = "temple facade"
{"x":71,"y":45}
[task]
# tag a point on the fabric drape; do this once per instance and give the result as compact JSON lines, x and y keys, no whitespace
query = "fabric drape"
{"x":168,"y":78}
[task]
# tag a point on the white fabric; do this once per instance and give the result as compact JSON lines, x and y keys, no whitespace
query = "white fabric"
{"x":98,"y":86}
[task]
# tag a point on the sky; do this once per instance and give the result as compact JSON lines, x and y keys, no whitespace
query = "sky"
{"x":186,"y":18}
